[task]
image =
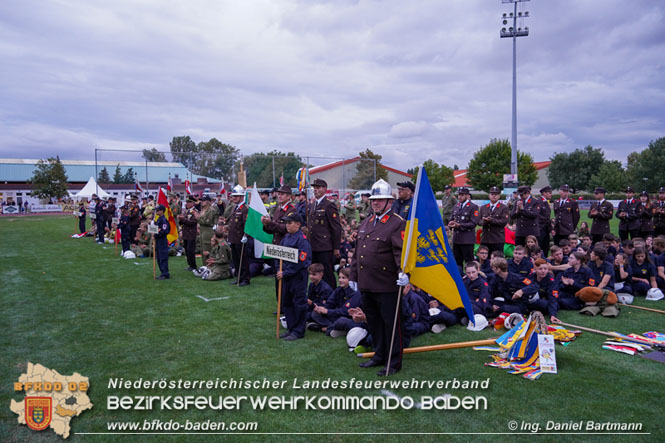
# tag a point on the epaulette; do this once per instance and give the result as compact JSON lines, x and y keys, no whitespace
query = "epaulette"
{"x":398,"y":216}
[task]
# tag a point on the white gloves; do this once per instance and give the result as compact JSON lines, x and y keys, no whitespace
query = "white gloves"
{"x":353,"y":285}
{"x":243,"y":239}
{"x":403,"y":279}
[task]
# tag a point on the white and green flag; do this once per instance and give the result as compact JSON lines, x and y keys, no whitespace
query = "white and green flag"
{"x":253,"y":226}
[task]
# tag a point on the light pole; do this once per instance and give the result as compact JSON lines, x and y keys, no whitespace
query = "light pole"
{"x":514,"y":32}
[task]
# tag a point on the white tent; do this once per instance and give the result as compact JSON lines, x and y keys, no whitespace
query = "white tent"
{"x":92,"y":188}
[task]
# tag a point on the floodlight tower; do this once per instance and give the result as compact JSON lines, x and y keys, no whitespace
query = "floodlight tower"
{"x":514,"y":32}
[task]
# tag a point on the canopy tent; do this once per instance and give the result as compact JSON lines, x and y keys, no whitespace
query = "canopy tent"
{"x":92,"y":188}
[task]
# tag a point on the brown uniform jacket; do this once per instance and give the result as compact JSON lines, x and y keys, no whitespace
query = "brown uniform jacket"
{"x":276,"y":226}
{"x":601,"y":220}
{"x":189,"y":224}
{"x":633,"y":212}
{"x":646,"y":221}
{"x":659,"y":215}
{"x":376,"y":260}
{"x":544,"y":215}
{"x":467,"y":215}
{"x":237,"y":223}
{"x":566,"y":216}
{"x":526,"y":219}
{"x":494,"y":231}
{"x":323,"y":226}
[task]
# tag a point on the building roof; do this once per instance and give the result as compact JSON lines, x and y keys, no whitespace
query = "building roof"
{"x":461,"y":180}
{"x":322,"y":168}
{"x":21,"y":170}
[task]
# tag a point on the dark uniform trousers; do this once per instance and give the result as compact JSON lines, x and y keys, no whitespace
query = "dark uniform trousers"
{"x":101,"y":223}
{"x":162,"y":246}
{"x":82,"y":223}
{"x":239,"y":254}
{"x":380,"y":308}
{"x":294,"y":303}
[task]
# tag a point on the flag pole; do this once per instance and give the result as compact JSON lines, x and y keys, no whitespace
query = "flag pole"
{"x":279,"y":299}
{"x":242,"y":251}
{"x":457,"y":345}
{"x":154,"y":269}
{"x":404,"y":260}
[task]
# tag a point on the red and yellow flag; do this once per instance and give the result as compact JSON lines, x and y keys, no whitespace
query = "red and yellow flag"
{"x":162,"y":200}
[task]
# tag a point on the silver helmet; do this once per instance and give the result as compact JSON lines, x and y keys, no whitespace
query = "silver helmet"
{"x":380,"y":190}
{"x":238,"y":190}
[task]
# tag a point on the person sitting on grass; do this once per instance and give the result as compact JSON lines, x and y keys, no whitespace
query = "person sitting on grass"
{"x":602,"y":271}
{"x":479,"y":293}
{"x":317,"y":294}
{"x":337,"y":306}
{"x":644,"y":273}
{"x":544,"y":284}
{"x":415,"y":314}
{"x":572,"y":280}
{"x":558,"y":263}
{"x":623,"y":275}
{"x":520,"y":264}
{"x":219,"y":259}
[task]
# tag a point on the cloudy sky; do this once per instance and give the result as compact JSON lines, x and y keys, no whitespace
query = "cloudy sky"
{"x":410,"y":80}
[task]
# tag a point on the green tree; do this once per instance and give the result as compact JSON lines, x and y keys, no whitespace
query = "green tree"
{"x":118,"y":176}
{"x":153,"y":155}
{"x":648,"y":165}
{"x":183,"y":150}
{"x":364,"y":178}
{"x":576,"y":168}
{"x":439,"y":175}
{"x":104,"y":176}
{"x":259,"y":168}
{"x":489,"y":163}
{"x":49,"y":179}
{"x":216,"y":159}
{"x":128,"y":176}
{"x":610,"y":176}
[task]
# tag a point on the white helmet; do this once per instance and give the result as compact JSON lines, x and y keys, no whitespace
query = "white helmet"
{"x":480,"y":323}
{"x":238,"y":190}
{"x":381,"y":189}
{"x":355,"y":336}
{"x":128,"y":254}
{"x":626,"y":299}
{"x":655,"y":294}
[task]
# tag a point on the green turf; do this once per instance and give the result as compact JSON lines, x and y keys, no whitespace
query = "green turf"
{"x":73,"y":306}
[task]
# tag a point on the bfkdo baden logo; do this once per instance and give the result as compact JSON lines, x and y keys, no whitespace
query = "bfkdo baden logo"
{"x":38,"y":412}
{"x":51,"y":399}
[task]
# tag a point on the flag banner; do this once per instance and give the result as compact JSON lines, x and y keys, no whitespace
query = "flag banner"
{"x":426,"y":254}
{"x":163,"y":200}
{"x":303,"y":178}
{"x":253,"y":225}
{"x":169,"y":185}
{"x":188,"y":187}
{"x":281,"y":180}
{"x":222,"y":188}
{"x":137,"y":185}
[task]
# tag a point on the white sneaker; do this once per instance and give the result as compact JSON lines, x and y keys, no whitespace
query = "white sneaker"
{"x":438,"y":328}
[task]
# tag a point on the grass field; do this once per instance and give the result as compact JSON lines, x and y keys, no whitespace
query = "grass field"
{"x":73,"y":306}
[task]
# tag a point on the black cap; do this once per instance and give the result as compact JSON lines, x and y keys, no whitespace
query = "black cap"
{"x":661,"y":189}
{"x":447,"y":187}
{"x":546,"y":189}
{"x":565,"y":188}
{"x":366,"y":194}
{"x":150,"y":197}
{"x":134,"y":197}
{"x":285,"y":189}
{"x":319,"y":182}
{"x":264,"y":192}
{"x":524,"y":188}
{"x":160,"y":208}
{"x":644,"y":193}
{"x":599,"y":190}
{"x":206,"y":198}
{"x":191,"y":199}
{"x":407,"y":184}
{"x":274,"y":190}
{"x":630,"y":189}
{"x":463,"y":190}
{"x":495,"y":190}
{"x":292,"y":216}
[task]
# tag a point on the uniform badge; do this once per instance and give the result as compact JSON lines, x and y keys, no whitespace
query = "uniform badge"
{"x":592,"y":282}
{"x":38,"y":412}
{"x":475,"y":213}
{"x":526,"y":281}
{"x":303,"y":255}
{"x":384,"y":218}
{"x":348,"y":304}
{"x":402,"y":234}
{"x":334,"y":215}
{"x":555,"y":294}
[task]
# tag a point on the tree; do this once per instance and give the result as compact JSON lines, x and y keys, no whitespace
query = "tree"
{"x":575,"y":169}
{"x":488,"y":165}
{"x":49,"y":179}
{"x":118,"y":177}
{"x":183,"y":150}
{"x":610,"y":176}
{"x":439,"y":175}
{"x":128,"y":177}
{"x":364,"y":178}
{"x":216,"y":159}
{"x":259,"y":168}
{"x":153,"y":155}
{"x":104,"y":176}
{"x":648,"y":165}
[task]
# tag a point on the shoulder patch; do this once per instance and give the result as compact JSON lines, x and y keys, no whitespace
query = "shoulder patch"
{"x":526,"y":281}
{"x":555,"y":294}
{"x":592,"y":282}
{"x":303,"y":255}
{"x":475,"y":213}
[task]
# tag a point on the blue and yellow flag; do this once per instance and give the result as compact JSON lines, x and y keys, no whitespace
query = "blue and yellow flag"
{"x":426,"y":255}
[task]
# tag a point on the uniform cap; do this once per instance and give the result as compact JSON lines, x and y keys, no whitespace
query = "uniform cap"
{"x":207,"y":197}
{"x":630,"y":189}
{"x":495,"y":190}
{"x":599,"y":190}
{"x":447,"y":187}
{"x":191,"y":199}
{"x":644,"y":193}
{"x":320,"y":182}
{"x":285,"y":189}
{"x":292,"y":216}
{"x":407,"y":184}
{"x":661,"y":189}
{"x":524,"y":188}
{"x":546,"y":189}
{"x":264,"y":192}
{"x":238,"y":191}
{"x":565,"y":188}
{"x":463,"y":190}
{"x":160,"y":208}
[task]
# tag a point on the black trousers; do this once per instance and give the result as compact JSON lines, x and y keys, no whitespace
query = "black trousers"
{"x":379,"y":308}
{"x":190,"y":252}
{"x":162,"y":250}
{"x":82,"y":224}
{"x":463,"y":254}
{"x":100,"y":229}
{"x":326,"y":258}
{"x":544,"y":241}
{"x":625,"y":234}
{"x":132,"y":232}
{"x":658,"y":230}
{"x":596,"y":238}
{"x":240,"y":266}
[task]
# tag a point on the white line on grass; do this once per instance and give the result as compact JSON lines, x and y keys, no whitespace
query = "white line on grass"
{"x":211,"y":299}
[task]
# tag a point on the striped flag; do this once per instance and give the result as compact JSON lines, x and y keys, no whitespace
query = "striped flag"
{"x":137,"y":185}
{"x":163,"y":200}
{"x":188,"y":187}
{"x":169,"y":184}
{"x":253,"y":225}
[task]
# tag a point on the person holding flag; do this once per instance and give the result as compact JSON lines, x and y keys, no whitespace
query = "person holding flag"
{"x":237,"y":237}
{"x":161,"y":242}
{"x":375,"y":270}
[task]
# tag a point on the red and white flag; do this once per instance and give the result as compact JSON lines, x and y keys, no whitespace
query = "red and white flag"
{"x":137,"y":185}
{"x":169,"y":185}
{"x":281,"y":180}
{"x":188,"y":187}
{"x":222,"y":188}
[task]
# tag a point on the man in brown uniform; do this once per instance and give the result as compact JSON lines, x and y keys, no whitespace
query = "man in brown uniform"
{"x":376,"y":267}
{"x":525,"y":214}
{"x":275,"y":225}
{"x":566,"y":215}
{"x":629,"y":212}
{"x":448,"y":202}
{"x":601,"y":212}
{"x":494,"y":218}
{"x":206,"y":220}
{"x":189,"y":227}
{"x":237,"y":237}
{"x":463,"y":223}
{"x":324,"y":231}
